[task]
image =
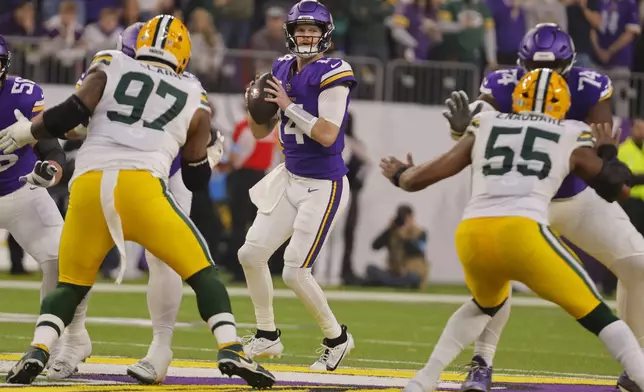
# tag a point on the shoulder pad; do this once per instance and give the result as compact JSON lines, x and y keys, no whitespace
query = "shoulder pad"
{"x":475,"y":124}
{"x":500,"y":85}
{"x":334,"y":71}
{"x":280,"y":62}
{"x":581,"y":131}
{"x":593,"y":86}
{"x":103,"y":59}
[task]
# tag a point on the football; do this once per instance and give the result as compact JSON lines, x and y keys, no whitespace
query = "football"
{"x":259,"y":109}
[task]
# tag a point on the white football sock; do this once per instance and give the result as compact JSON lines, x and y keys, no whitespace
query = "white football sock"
{"x":47,"y":334}
{"x":78,"y":322}
{"x":302,"y":282}
{"x":486,"y":344}
{"x":49,"y":277}
{"x":222,"y":325}
{"x":465,"y":325}
{"x":260,"y":287}
{"x":623,"y":346}
{"x":165,"y":290}
{"x":630,"y":291}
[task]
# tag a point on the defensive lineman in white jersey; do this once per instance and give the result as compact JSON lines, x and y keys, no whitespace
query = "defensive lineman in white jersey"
{"x":165,"y":287}
{"x":141,"y":113}
{"x":518,"y":162}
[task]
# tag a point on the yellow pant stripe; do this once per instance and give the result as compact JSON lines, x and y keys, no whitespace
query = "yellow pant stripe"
{"x":195,"y":231}
{"x":560,"y":248}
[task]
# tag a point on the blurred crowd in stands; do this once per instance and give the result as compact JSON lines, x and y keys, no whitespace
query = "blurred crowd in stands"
{"x":401,"y":50}
{"x":383,"y":39}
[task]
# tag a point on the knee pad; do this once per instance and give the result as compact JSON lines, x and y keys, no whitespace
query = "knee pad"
{"x":294,"y":276}
{"x":251,"y":256}
{"x":630,"y":270}
{"x":49,"y":267}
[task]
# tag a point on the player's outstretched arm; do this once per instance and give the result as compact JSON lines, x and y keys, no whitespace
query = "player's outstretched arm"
{"x":415,"y":178}
{"x":195,"y":169}
{"x":460,"y":111}
{"x":608,"y":178}
{"x":77,"y":109}
{"x":602,"y":172}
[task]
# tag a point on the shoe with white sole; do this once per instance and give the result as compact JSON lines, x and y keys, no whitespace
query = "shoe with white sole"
{"x":260,"y":347}
{"x":152,"y":369}
{"x":333,"y":355}
{"x":75,"y":348}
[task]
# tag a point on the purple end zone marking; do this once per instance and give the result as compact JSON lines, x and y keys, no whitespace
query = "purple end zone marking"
{"x":237,"y":381}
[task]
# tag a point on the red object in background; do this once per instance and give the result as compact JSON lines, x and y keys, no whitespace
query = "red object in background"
{"x":262,"y":155}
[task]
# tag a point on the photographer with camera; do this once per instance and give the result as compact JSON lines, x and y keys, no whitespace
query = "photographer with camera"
{"x":405,"y":241}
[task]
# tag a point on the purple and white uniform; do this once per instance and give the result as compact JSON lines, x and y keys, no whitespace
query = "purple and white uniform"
{"x":302,"y":197}
{"x":577,"y":212}
{"x":28,"y":213}
{"x":587,"y":87}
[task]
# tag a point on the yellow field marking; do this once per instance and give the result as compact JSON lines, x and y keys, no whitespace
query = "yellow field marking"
{"x":389,"y":373}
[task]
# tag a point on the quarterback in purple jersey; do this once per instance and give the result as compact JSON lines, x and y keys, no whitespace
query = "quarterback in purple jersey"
{"x":27,"y":210}
{"x":599,"y":228}
{"x":165,"y":286}
{"x":301,"y":198}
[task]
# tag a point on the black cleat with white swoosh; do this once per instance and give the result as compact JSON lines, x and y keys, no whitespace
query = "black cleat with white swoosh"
{"x":233,"y":362}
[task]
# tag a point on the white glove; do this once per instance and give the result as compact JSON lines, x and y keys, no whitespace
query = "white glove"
{"x":216,"y":150}
{"x":16,"y":135}
{"x":43,"y":175}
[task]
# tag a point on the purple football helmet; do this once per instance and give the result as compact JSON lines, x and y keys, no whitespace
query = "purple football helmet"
{"x":5,"y":60}
{"x":547,"y":46}
{"x":126,"y":42}
{"x":308,"y":12}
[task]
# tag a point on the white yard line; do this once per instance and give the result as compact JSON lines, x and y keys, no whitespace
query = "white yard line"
{"x":334,"y":295}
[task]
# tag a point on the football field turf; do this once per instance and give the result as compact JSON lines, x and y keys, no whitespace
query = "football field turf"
{"x":394,"y":332}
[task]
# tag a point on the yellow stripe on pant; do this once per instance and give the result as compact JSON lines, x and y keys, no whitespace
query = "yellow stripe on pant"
{"x":495,"y":251}
{"x":149,"y":217}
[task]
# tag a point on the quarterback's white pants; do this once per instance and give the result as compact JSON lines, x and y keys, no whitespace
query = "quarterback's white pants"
{"x":305,"y":210}
{"x":165,"y":287}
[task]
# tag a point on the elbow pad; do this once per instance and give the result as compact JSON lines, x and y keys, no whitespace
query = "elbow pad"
{"x":64,"y":117}
{"x":609,"y":182}
{"x":607,"y":152}
{"x":195,"y":175}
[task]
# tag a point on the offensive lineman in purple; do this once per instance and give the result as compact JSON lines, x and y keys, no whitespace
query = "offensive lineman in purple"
{"x":28,"y":97}
{"x":590,"y":90}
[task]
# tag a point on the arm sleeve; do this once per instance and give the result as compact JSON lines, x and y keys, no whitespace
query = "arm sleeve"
{"x":332,"y":104}
{"x":50,"y":150}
